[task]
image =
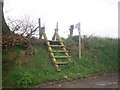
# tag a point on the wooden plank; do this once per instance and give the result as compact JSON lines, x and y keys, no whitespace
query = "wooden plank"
{"x":51,"y":54}
{"x":54,"y":41}
{"x":54,"y":60}
{"x":48,"y":43}
{"x":50,"y":49}
{"x":60,"y":63}
{"x":57,"y":67}
{"x":56,"y":45}
{"x":61,"y":56}
{"x":61,"y":51}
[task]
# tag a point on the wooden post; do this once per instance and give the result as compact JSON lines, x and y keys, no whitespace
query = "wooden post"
{"x":56,"y":36}
{"x":39,"y":28}
{"x":79,"y":42}
{"x":57,"y":26}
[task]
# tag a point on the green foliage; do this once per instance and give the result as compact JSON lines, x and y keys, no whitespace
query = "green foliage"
{"x":71,"y":42}
{"x":23,"y":79}
{"x":99,"y":55}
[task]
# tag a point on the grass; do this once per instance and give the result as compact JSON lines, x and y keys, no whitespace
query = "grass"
{"x":0,"y":70}
{"x":99,"y":56}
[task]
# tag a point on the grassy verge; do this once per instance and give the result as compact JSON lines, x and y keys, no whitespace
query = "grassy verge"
{"x":99,"y":56}
{"x":0,"y":70}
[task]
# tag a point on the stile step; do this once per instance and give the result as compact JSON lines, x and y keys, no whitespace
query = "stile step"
{"x":54,"y":41}
{"x":57,"y":68}
{"x":56,"y":45}
{"x":60,"y":63}
{"x":59,"y":51}
{"x":56,"y":48}
{"x":61,"y":56}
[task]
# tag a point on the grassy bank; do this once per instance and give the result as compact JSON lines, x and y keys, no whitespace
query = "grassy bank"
{"x":99,"y":55}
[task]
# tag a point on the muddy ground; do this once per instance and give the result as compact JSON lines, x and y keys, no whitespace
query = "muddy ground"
{"x":104,"y":81}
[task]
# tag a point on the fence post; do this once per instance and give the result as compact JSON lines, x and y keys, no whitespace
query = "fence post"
{"x":79,"y":41}
{"x":39,"y":28}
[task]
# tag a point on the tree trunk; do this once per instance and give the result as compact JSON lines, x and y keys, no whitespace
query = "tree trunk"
{"x":5,"y":29}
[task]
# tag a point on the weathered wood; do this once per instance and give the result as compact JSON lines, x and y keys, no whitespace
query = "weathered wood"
{"x":54,"y":60}
{"x":66,"y":53}
{"x":61,"y":63}
{"x":39,"y":28}
{"x":61,"y":56}
{"x":60,"y":51}
{"x":50,"y":49}
{"x":51,"y":54}
{"x":57,"y":67}
{"x":56,"y":45}
{"x":41,"y":31}
{"x":54,"y":40}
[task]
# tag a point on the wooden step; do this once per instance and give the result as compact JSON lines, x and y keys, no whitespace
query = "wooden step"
{"x":56,"y":59}
{"x":56,"y":45}
{"x":61,"y":56}
{"x":57,"y":67}
{"x":61,"y":63}
{"x":61,"y":51}
{"x":54,"y":41}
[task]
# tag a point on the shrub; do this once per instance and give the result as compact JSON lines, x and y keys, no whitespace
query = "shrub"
{"x":23,"y":79}
{"x":13,"y":41}
{"x":70,"y":42}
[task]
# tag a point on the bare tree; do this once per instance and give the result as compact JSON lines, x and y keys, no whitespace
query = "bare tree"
{"x":23,"y":26}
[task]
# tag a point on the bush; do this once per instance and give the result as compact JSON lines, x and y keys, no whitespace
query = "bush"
{"x":23,"y":79}
{"x":14,"y":41}
{"x":70,"y":42}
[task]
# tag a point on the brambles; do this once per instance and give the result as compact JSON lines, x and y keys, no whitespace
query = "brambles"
{"x":13,"y":41}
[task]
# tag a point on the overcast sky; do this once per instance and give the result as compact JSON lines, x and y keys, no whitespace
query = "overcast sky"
{"x":97,"y":17}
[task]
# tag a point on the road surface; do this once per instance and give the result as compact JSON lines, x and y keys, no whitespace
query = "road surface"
{"x":105,"y":81}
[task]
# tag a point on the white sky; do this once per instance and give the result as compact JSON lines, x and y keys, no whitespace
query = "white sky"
{"x":97,"y":17}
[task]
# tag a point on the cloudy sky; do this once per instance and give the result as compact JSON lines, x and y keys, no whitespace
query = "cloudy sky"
{"x":97,"y":17}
